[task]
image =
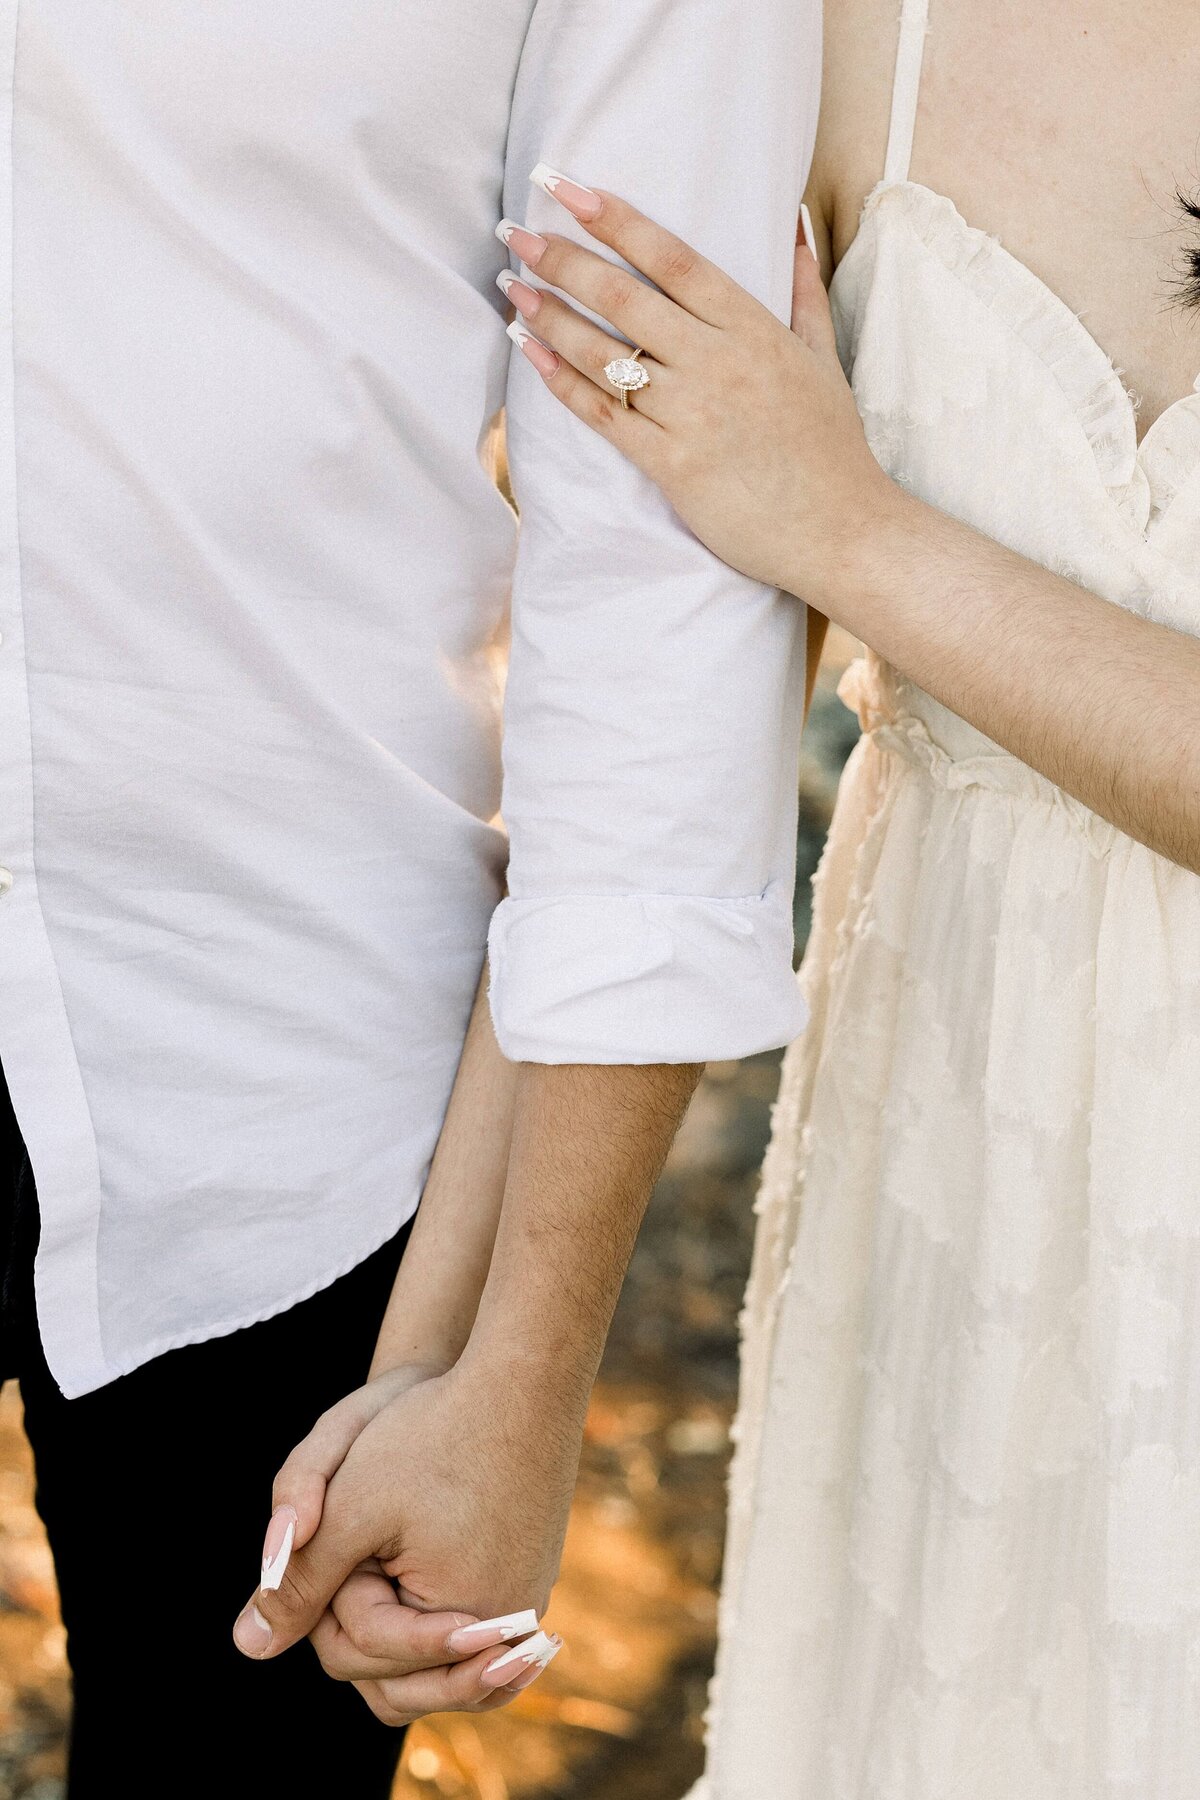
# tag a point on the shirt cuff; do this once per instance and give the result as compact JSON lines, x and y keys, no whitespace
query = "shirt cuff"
{"x":644,"y":978}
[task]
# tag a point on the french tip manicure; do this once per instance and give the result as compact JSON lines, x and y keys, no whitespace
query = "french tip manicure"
{"x":537,"y":1668}
{"x":509,"y":1625}
{"x":544,"y":360}
{"x":505,"y":229}
{"x":806,"y":225}
{"x":584,"y":202}
{"x":277,"y":1551}
{"x":523,"y":1656}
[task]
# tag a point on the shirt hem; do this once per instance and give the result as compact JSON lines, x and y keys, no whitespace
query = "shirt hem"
{"x":75,"y":1389}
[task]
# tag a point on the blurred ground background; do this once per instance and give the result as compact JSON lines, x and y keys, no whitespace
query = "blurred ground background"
{"x":619,"y":1714}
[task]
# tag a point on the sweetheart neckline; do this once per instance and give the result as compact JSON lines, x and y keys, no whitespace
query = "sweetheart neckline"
{"x":1071,"y":319}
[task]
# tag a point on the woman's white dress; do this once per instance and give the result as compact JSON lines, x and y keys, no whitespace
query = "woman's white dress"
{"x":964,"y":1557}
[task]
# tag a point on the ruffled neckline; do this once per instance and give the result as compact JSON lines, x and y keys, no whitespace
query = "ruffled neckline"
{"x":1143,"y":480}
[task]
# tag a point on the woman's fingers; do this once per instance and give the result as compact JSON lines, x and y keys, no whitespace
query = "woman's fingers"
{"x":811,"y":318}
{"x":584,"y":345}
{"x":698,"y":286}
{"x":635,"y":436}
{"x":411,"y":1697}
{"x":635,"y":310}
{"x":298,"y":1491}
{"x":370,"y":1634}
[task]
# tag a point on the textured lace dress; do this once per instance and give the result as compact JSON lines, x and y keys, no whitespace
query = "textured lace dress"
{"x":964,"y":1558}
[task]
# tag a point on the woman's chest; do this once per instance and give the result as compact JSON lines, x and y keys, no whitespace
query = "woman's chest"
{"x":1068,"y":133}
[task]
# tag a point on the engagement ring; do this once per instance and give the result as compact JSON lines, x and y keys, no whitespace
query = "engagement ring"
{"x":627,"y":375}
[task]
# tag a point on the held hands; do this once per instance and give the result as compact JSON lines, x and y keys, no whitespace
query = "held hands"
{"x":415,"y":1538}
{"x":749,"y":429}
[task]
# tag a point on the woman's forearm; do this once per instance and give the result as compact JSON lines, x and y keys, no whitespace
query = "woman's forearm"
{"x":1103,"y":703}
{"x":443,"y":1272}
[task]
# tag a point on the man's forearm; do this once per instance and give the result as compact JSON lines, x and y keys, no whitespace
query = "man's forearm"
{"x":588,"y":1145}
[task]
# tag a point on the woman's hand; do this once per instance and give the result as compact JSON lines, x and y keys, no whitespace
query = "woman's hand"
{"x":415,"y":1538}
{"x":749,"y":429}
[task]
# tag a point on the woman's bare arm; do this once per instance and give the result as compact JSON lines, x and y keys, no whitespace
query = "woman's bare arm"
{"x":443,"y":1272}
{"x":1103,"y":703}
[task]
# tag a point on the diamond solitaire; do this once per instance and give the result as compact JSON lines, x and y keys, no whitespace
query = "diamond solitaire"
{"x":626,"y":374}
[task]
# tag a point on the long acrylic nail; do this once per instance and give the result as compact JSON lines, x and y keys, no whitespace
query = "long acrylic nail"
{"x":543,"y":359}
{"x":543,"y":1662}
{"x":252,"y":1634}
{"x":806,"y":226}
{"x":277,"y":1549}
{"x":527,"y":300}
{"x":582,"y":201}
{"x":487,"y":1632}
{"x":537,"y":1651}
{"x":526,"y":245}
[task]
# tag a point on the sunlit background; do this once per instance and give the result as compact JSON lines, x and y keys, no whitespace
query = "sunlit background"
{"x":619,"y":1715}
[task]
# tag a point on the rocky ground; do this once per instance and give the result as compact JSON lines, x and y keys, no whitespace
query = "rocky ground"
{"x":618,"y":1716}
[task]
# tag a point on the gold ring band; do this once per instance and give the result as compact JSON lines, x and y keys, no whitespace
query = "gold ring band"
{"x":625,"y":392}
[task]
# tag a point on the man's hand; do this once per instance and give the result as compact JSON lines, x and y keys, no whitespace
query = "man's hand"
{"x":439,"y":1504}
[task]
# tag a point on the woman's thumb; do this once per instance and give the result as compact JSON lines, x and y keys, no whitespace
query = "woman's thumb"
{"x":298,"y":1494}
{"x":811,"y":317}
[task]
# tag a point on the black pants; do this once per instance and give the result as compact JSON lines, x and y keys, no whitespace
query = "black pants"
{"x":155,"y":1493}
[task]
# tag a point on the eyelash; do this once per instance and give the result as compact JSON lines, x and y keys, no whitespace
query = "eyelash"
{"x":1188,"y":279}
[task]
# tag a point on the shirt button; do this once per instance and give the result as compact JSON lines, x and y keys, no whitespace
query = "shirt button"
{"x":5,"y":880}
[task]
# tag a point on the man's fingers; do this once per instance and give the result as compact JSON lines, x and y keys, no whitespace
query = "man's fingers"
{"x":672,"y":265}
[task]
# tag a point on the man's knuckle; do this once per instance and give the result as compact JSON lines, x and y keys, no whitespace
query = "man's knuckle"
{"x":331,"y":1663}
{"x":369,"y":1636}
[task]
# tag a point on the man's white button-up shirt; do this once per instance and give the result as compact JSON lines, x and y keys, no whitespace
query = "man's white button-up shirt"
{"x":251,"y":565}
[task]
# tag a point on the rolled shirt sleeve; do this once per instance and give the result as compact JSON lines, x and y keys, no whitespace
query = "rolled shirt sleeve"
{"x":655,"y":697}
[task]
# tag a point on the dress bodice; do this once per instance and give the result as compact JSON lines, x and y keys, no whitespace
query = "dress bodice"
{"x":984,"y":394}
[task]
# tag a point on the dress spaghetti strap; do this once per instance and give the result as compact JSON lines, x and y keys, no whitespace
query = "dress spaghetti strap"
{"x":914,"y":26}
